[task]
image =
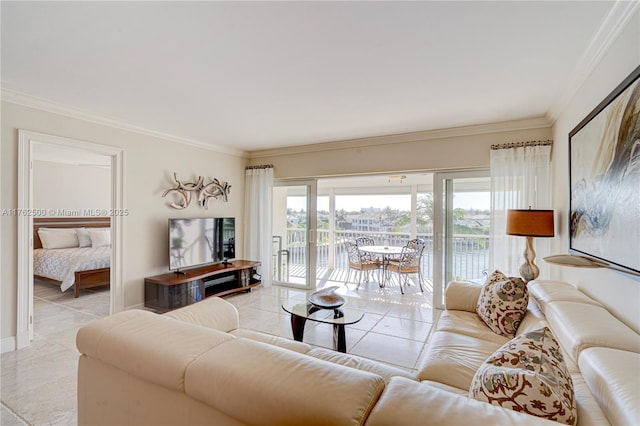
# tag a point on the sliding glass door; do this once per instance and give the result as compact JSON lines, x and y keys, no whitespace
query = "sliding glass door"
{"x":461,"y":228}
{"x":294,"y":233}
{"x":454,"y":220}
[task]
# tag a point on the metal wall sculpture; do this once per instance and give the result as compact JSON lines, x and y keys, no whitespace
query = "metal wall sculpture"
{"x":214,"y":189}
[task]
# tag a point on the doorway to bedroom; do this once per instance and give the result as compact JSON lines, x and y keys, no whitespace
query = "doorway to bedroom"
{"x":68,"y":188}
{"x":71,"y":239}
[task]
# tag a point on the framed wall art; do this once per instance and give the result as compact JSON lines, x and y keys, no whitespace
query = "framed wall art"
{"x":604,"y":179}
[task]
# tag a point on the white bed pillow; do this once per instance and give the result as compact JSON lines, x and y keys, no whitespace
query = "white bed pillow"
{"x":84,"y":240}
{"x":100,"y":237}
{"x":58,"y":238}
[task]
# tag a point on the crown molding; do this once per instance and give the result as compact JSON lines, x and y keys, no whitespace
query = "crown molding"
{"x":19,"y":98}
{"x":480,"y":129}
{"x":23,"y":99}
{"x":615,"y":21}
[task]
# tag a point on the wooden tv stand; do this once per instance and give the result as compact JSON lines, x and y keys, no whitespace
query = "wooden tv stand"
{"x":173,"y":290}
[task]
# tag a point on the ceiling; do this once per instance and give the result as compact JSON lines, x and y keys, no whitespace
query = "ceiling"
{"x":262,"y":75}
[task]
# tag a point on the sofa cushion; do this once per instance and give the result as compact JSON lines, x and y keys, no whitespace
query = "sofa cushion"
{"x":503,"y":303}
{"x":533,"y":319}
{"x":453,"y":358}
{"x":258,"y":383}
{"x":212,"y":312}
{"x":109,"y":396}
{"x":462,"y":296}
{"x":408,"y":403}
{"x":153,"y":347}
{"x":546,"y":291}
{"x":447,"y":388}
{"x":292,"y":345}
{"x":579,"y":326}
{"x":613,"y":379}
{"x":469,"y":324}
{"x":528,"y":374}
{"x":383,"y":370}
{"x":589,"y":412}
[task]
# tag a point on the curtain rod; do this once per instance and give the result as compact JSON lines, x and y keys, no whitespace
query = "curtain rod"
{"x":261,"y":166}
{"x":521,"y":144}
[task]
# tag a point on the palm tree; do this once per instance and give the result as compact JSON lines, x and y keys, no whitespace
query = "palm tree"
{"x":424,"y":215}
{"x":424,"y":211}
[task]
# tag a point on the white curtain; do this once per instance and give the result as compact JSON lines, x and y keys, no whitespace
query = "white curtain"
{"x":520,"y":178}
{"x":257,"y":219}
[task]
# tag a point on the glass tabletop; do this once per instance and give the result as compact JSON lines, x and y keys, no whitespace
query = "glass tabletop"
{"x":341,"y":315}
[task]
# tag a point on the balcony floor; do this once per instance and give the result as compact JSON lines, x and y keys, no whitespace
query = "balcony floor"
{"x":326,"y":277}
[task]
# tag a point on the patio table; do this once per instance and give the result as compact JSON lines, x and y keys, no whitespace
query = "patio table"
{"x":387,"y":253}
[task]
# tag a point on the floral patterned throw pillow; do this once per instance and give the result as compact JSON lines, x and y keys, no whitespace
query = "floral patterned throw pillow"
{"x":528,"y":374}
{"x":503,"y":303}
{"x":495,"y":276}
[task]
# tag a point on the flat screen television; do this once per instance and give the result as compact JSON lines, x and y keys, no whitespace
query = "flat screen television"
{"x":200,"y":241}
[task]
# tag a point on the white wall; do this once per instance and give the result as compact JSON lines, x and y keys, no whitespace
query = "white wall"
{"x":448,"y":149}
{"x":61,"y":186}
{"x":619,"y":292}
{"x":149,"y":163}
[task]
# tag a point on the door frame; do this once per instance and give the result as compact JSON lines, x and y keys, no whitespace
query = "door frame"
{"x":311,"y":234}
{"x":26,"y":142}
{"x":442,"y":201}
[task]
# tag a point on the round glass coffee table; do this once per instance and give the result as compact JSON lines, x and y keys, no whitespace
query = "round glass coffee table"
{"x":338,"y":317}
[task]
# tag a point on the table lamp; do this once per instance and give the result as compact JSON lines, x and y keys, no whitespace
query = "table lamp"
{"x":530,"y":223}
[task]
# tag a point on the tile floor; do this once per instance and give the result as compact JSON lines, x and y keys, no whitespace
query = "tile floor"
{"x":38,"y":384}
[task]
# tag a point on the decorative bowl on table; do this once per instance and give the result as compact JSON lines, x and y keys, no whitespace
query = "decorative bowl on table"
{"x":327,"y":298}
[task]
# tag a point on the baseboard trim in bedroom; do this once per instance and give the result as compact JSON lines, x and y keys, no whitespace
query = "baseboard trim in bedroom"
{"x":8,"y":344}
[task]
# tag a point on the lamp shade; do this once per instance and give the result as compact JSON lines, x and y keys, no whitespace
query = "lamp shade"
{"x":530,"y":223}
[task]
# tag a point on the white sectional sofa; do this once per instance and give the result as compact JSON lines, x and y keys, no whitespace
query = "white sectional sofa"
{"x":196,"y":365}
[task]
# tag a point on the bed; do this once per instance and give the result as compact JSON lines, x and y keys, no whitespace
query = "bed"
{"x":77,"y":267}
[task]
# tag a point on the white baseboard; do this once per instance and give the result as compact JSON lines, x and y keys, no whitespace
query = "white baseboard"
{"x":137,"y":306}
{"x":8,"y":344}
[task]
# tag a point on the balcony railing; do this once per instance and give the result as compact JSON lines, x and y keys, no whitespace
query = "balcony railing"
{"x":470,"y":253}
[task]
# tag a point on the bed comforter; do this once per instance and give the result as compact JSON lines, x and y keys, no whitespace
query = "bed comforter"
{"x":61,"y":264}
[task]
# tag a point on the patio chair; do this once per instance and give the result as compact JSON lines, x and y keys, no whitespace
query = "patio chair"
{"x":408,"y":263}
{"x":416,"y":243}
{"x":365,"y":241}
{"x":359,"y":263}
{"x":368,"y":241}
